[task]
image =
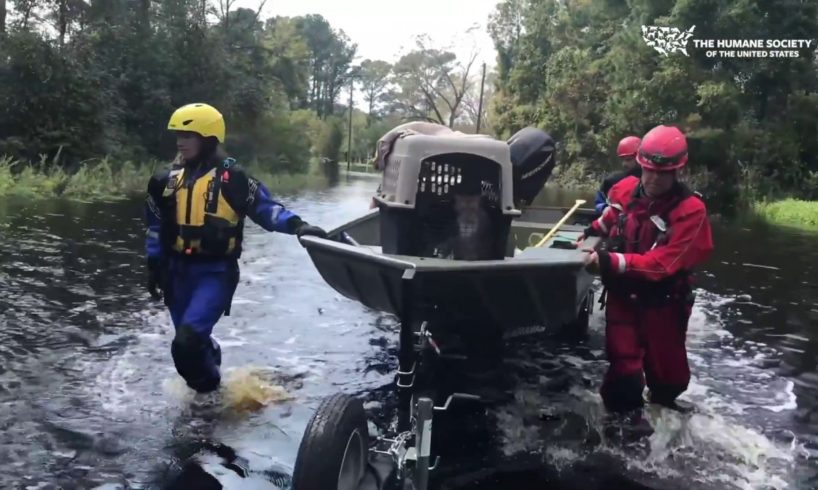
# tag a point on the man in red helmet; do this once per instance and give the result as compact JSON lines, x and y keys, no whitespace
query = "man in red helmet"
{"x":657,"y":231}
{"x":626,"y":151}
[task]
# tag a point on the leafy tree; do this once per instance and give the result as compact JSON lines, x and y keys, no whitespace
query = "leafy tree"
{"x":374,"y":78}
{"x":431,"y":84}
{"x":582,"y":71}
{"x":330,"y":138}
{"x":82,"y":79}
{"x":331,"y":58}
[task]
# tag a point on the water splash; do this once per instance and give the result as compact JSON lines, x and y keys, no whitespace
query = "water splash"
{"x":743,"y":457}
{"x":251,"y":388}
{"x":243,"y":390}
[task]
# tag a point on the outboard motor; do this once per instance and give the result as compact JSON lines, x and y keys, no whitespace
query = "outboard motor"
{"x":533,"y":157}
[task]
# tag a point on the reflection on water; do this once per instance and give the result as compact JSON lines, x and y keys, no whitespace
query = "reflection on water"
{"x":90,"y":397}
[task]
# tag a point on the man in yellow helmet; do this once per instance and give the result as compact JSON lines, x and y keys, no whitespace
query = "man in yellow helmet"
{"x":195,"y":213}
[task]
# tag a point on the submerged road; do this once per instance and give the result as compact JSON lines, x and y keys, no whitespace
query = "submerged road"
{"x":89,"y":397}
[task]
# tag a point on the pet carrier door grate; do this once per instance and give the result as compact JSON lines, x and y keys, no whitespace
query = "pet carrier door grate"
{"x":439,"y":178}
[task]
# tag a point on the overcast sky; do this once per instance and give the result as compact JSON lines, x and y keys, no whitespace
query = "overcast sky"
{"x":385,"y":29}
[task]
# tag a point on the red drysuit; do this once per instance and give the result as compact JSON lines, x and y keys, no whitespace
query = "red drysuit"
{"x":646,"y":272}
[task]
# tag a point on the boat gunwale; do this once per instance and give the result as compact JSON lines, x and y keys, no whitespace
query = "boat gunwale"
{"x":435,"y":264}
{"x":364,"y":252}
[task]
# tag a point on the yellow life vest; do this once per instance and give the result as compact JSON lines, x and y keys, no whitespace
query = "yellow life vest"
{"x":206,"y":224}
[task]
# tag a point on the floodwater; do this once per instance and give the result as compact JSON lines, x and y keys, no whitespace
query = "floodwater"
{"x":89,"y":397}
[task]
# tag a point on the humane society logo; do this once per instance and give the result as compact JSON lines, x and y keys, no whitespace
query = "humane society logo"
{"x":669,"y":40}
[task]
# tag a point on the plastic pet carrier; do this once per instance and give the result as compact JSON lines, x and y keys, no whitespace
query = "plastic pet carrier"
{"x":447,"y":196}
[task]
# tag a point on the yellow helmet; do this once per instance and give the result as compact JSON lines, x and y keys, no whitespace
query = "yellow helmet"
{"x":198,"y":118}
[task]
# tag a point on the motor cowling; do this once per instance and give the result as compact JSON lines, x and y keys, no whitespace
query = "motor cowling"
{"x":533,"y":157}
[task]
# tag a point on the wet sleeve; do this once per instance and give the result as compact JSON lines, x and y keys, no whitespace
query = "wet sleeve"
{"x":153,"y":216}
{"x":690,"y":243}
{"x":268,"y":213}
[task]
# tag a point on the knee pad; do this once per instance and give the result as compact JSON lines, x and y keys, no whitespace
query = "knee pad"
{"x":196,"y":359}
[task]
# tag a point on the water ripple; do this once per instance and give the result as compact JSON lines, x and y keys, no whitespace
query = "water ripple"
{"x":90,"y":396}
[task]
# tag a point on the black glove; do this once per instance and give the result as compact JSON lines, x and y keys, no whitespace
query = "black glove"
{"x":155,"y":277}
{"x":308,"y":229}
{"x":589,"y":231}
{"x":301,"y":228}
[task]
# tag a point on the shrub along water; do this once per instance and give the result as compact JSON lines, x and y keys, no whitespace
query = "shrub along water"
{"x":107,"y":180}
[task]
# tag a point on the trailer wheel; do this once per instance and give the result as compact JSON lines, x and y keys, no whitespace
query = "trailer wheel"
{"x":333,"y":454}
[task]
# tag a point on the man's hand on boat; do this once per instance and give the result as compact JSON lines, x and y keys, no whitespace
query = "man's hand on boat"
{"x":580,"y":239}
{"x":598,"y":262}
{"x":591,"y":257}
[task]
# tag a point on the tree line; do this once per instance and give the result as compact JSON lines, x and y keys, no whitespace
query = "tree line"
{"x":582,"y":70}
{"x":83,"y":79}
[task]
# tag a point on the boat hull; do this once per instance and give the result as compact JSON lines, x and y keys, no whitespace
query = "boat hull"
{"x":540,"y":286}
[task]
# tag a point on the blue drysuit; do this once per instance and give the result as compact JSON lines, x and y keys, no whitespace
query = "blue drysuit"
{"x":198,"y":291}
{"x":601,"y":202}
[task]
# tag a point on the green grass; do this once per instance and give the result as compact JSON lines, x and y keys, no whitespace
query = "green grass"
{"x":97,"y":179}
{"x":789,"y":212}
{"x":104,"y":179}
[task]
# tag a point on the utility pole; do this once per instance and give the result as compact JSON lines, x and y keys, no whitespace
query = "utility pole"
{"x":480,"y":105}
{"x":349,"y":133}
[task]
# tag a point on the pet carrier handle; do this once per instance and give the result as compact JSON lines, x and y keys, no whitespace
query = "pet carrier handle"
{"x":561,"y":222}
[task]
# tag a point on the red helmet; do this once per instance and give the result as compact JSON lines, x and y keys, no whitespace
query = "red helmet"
{"x":627,"y":146}
{"x":663,"y":148}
